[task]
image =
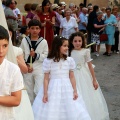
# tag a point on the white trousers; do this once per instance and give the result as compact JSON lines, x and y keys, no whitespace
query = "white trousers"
{"x":33,"y":82}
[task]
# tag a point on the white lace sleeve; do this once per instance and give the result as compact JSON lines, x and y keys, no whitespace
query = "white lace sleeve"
{"x":46,"y":65}
{"x":87,"y":56}
{"x":71,"y":64}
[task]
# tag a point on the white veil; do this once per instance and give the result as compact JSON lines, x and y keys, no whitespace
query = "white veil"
{"x":10,"y":55}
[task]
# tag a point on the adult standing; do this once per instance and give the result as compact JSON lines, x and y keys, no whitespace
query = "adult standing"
{"x":10,"y":17}
{"x":90,"y":26}
{"x":115,"y":47}
{"x":68,"y":24}
{"x":47,"y":18}
{"x":95,"y":35}
{"x":111,"y":22}
{"x":83,"y":20}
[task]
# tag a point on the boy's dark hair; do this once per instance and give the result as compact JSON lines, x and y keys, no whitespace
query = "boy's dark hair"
{"x":55,"y":49}
{"x":34,"y":22}
{"x":71,"y":47}
{"x":3,"y":33}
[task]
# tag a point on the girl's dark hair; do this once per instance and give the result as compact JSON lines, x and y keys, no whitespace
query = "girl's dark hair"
{"x":3,"y":33}
{"x":55,"y":49}
{"x":10,"y":28}
{"x":44,"y":3}
{"x":71,"y":47}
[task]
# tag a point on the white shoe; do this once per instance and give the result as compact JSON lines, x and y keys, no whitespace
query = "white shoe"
{"x":97,"y":54}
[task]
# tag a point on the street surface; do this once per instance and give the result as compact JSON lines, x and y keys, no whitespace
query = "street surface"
{"x":107,"y":70}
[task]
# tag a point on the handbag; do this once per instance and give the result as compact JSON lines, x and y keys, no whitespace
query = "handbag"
{"x":103,"y":37}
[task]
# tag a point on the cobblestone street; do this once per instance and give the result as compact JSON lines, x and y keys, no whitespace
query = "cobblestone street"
{"x":108,"y":75}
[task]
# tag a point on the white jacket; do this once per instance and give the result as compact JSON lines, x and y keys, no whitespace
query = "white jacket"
{"x":41,"y":50}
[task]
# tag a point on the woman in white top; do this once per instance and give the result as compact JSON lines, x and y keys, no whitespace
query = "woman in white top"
{"x":68,"y":24}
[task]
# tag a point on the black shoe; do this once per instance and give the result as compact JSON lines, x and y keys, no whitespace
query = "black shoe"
{"x":108,"y":54}
{"x":105,"y":53}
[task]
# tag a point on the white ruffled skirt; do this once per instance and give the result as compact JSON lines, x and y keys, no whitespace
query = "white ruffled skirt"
{"x":94,"y":99}
{"x":60,"y":105}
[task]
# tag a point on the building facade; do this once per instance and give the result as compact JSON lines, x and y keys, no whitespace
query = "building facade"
{"x":101,"y":3}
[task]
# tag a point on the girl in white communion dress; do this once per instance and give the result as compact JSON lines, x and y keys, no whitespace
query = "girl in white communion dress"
{"x":58,"y":98}
{"x":86,"y":82}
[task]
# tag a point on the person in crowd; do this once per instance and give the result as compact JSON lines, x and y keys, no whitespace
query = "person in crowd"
{"x":83,"y":20}
{"x":47,"y":18}
{"x":37,"y":11}
{"x":11,"y":80}
{"x":35,"y":50}
{"x":30,"y":15}
{"x":11,"y":18}
{"x":55,"y":8}
{"x":74,"y":12}
{"x":68,"y":24}
{"x":81,"y":5}
{"x":90,"y":25}
{"x":86,"y":82}
{"x":23,"y":113}
{"x":3,"y":4}
{"x":18,"y":53}
{"x":58,"y":97}
{"x":16,"y":11}
{"x":63,"y":6}
{"x":97,"y":30}
{"x":115,"y":48}
{"x":111,"y":22}
{"x":90,"y":9}
{"x":24,"y":31}
{"x":103,"y":9}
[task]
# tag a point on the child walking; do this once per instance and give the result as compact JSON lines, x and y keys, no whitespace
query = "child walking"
{"x":11,"y":81}
{"x":86,"y":82}
{"x":35,"y":50}
{"x":58,"y":99}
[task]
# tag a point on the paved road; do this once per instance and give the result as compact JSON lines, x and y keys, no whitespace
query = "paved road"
{"x":107,"y":71}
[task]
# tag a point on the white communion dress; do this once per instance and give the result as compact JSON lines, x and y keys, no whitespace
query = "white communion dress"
{"x":24,"y":110}
{"x":94,"y":99}
{"x":60,"y":105}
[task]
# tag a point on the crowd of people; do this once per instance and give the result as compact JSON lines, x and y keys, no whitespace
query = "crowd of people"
{"x":60,"y":82}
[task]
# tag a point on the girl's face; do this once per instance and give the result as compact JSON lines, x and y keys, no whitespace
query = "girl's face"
{"x":77,"y":42}
{"x":64,"y":48}
{"x":3,"y":49}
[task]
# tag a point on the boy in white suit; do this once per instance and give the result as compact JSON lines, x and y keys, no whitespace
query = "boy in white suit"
{"x":35,"y":50}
